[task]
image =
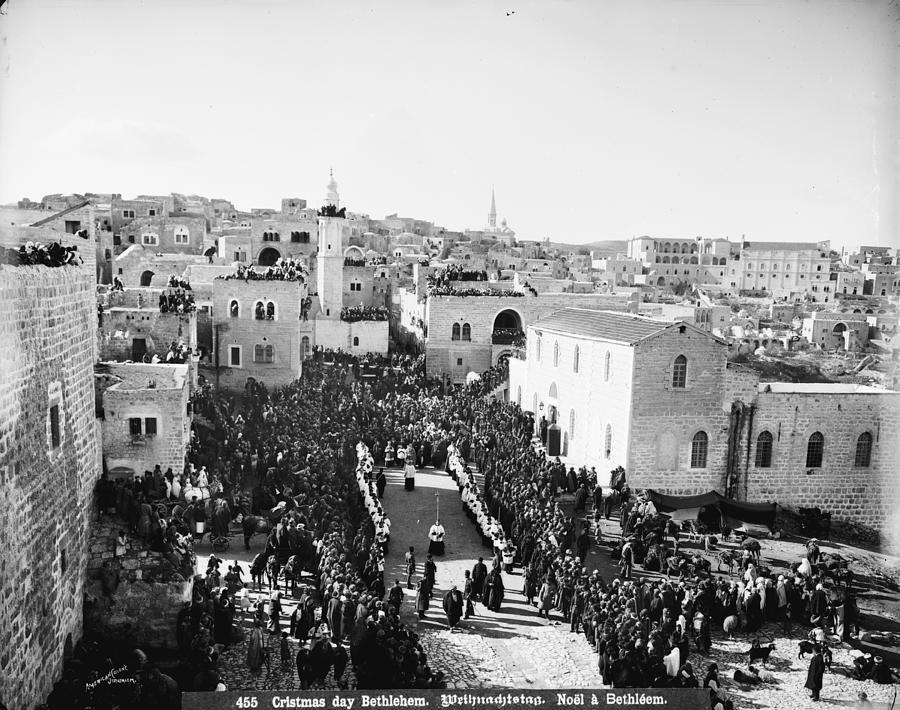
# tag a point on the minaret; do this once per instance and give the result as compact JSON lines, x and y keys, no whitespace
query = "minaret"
{"x":330,"y":259}
{"x":331,"y":196}
{"x":492,"y":215}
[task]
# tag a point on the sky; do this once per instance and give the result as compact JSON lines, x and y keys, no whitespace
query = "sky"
{"x":592,"y":119}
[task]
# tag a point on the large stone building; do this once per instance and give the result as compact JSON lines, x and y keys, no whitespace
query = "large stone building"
{"x":660,"y":399}
{"x":256,"y":331}
{"x":49,"y":461}
{"x":146,"y":416}
{"x":783,"y":270}
{"x":670,"y":262}
{"x":461,"y":334}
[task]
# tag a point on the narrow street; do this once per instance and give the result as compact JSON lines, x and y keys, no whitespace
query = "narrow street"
{"x":512,"y":648}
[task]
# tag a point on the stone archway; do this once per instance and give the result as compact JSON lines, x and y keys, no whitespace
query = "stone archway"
{"x":268,"y":256}
{"x":147,"y":277}
{"x":507,"y":327}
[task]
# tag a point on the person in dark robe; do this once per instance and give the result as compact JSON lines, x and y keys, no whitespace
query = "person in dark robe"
{"x":422,"y":597}
{"x":469,"y":595}
{"x":381,"y":482}
{"x":334,"y":615}
{"x":430,"y":574}
{"x":818,"y":606}
{"x":479,"y":574}
{"x":300,"y":623}
{"x":453,"y":606}
{"x":815,"y":673}
{"x":494,"y":588}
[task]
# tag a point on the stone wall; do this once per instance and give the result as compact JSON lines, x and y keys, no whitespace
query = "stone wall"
{"x":586,"y":402}
{"x":134,"y":261}
{"x":120,"y":327}
{"x":359,"y":338}
{"x":245,"y":332}
{"x":136,"y":599}
{"x":166,"y":402}
{"x":666,"y":418}
{"x":48,"y":320}
{"x":870,"y":496}
{"x":457,"y":358}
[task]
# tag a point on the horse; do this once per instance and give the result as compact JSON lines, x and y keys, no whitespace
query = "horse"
{"x":262,"y":523}
{"x":727,"y":557}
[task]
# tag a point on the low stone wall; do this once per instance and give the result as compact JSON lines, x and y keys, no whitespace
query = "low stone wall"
{"x":134,"y":598}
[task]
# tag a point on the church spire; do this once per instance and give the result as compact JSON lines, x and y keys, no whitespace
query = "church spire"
{"x":492,"y":215}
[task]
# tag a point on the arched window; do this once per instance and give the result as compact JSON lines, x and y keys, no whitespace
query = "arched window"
{"x":455,"y":333}
{"x":259,"y":311}
{"x":572,"y":425}
{"x":606,"y":363}
{"x":607,"y":442}
{"x":699,"y":447}
{"x":235,"y":309}
{"x":537,"y":348}
{"x":764,"y":450}
{"x":555,"y":354}
{"x":575,"y":359}
{"x":258,"y":353}
{"x":182,"y":235}
{"x":679,"y":372}
{"x":466,"y":331}
{"x":863,"y":451}
{"x":815,"y":448}
{"x":270,"y":353}
{"x":304,"y":344}
{"x":270,"y":311}
{"x":355,"y":341}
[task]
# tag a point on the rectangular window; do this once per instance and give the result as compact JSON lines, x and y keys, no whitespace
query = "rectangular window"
{"x":234,"y":355}
{"x":181,"y":238}
{"x":134,"y":426}
{"x":459,"y":361}
{"x":151,"y":212}
{"x":150,"y":426}
{"x":54,"y":426}
{"x":131,"y":239}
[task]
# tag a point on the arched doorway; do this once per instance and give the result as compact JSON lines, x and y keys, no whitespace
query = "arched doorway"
{"x":507,"y":328}
{"x":268,"y":256}
{"x":503,"y":357}
{"x":147,"y":277}
{"x":661,"y":281}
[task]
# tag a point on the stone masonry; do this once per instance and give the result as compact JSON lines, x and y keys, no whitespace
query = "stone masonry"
{"x":49,"y":463}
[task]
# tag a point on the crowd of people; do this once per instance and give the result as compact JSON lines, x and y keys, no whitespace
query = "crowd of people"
{"x":310,"y":451}
{"x":445,"y":282}
{"x":300,"y":444}
{"x":177,"y":299}
{"x":38,"y":254}
{"x":285,"y":269}
{"x":352,"y":314}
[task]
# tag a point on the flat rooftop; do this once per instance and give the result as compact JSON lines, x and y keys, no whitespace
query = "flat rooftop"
{"x":138,"y":375}
{"x":821,"y":388}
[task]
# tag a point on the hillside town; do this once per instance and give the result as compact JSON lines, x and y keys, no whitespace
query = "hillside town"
{"x":648,"y":459}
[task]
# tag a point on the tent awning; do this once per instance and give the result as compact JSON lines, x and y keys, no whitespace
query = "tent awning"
{"x":757,"y":513}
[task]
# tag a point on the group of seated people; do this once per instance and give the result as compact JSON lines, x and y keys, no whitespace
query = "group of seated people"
{"x":177,"y":300}
{"x":38,"y":254}
{"x":352,"y":314}
{"x":285,"y":269}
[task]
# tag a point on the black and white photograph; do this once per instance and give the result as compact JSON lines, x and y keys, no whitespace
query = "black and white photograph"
{"x":455,"y":353}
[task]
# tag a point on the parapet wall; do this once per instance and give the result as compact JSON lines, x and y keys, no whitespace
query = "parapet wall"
{"x":49,"y":463}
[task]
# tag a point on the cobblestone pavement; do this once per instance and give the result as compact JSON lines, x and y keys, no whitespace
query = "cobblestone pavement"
{"x":512,"y":648}
{"x":516,"y":648}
